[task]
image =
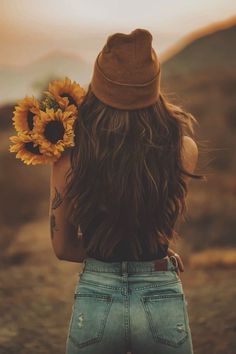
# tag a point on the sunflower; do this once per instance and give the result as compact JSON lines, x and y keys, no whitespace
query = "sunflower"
{"x":28,"y":150}
{"x":54,"y":131}
{"x":24,"y":114}
{"x":66,"y":92}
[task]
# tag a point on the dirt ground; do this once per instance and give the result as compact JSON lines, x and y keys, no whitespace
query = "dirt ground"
{"x":36,"y":295}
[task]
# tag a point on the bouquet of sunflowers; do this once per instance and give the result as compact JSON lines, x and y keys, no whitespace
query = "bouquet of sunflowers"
{"x":45,"y":128}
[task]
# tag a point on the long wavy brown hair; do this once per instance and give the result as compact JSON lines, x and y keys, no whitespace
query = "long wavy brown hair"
{"x":126,"y":164}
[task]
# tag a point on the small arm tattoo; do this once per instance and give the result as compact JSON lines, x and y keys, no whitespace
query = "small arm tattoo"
{"x":57,"y":200}
{"x":53,"y":226}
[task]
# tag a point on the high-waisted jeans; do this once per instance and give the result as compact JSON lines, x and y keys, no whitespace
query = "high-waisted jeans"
{"x":128,"y":306}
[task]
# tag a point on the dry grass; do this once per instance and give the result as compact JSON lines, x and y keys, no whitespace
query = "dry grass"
{"x":214,"y":257}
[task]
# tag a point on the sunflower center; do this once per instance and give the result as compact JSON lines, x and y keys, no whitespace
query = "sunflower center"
{"x":31,"y":148}
{"x":54,"y":131}
{"x":70,"y":98}
{"x":30,"y":120}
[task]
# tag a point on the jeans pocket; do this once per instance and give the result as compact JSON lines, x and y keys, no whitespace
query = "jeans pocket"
{"x":88,"y":319}
{"x":167,"y":318}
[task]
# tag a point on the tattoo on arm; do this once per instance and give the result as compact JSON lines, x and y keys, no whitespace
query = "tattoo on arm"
{"x":53,"y":226}
{"x":57,"y":200}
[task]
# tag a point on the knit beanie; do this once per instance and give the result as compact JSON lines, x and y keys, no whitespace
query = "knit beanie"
{"x":126,"y":73}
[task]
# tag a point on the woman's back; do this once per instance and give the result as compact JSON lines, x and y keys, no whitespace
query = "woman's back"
{"x":122,"y":250}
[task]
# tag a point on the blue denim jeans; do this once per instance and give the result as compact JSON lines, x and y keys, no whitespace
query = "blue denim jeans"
{"x":128,"y":306}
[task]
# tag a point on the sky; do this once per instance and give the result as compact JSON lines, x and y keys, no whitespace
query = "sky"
{"x":30,"y":29}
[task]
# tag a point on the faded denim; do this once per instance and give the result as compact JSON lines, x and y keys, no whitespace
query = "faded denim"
{"x":128,"y":306}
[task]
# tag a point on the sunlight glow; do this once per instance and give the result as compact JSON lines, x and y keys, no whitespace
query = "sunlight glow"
{"x":32,"y":28}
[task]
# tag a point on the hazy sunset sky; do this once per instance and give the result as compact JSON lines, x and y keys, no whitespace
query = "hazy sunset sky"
{"x":31,"y":28}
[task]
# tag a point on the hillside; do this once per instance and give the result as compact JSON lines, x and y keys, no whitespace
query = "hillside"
{"x":211,"y":52}
{"x":202,"y":77}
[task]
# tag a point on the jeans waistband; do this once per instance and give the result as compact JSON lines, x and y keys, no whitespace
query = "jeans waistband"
{"x":129,"y":267}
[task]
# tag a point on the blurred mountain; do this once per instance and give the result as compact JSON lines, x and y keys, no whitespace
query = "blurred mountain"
{"x":16,"y":82}
{"x":209,"y":53}
{"x":202,"y":78}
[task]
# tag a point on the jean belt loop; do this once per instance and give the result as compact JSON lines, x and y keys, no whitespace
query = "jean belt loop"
{"x":174,"y":262}
{"x":124,"y":267}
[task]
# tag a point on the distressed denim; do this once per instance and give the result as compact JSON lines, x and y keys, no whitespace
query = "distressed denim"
{"x":128,"y":306}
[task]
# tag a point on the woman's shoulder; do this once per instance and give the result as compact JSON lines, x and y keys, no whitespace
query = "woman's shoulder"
{"x":189,"y":153}
{"x":189,"y":145}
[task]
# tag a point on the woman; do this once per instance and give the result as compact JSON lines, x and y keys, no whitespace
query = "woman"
{"x":115,"y":199}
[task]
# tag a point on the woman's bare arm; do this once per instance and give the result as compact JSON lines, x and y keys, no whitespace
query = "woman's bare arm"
{"x":65,"y":241}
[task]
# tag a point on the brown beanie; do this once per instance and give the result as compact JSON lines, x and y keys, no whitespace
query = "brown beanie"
{"x":127,"y":72}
